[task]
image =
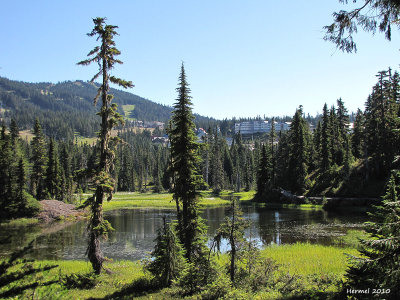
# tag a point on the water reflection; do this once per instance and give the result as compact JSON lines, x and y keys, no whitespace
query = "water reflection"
{"x":135,"y":231}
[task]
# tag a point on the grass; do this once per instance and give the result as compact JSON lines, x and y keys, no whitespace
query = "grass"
{"x":297,"y":206}
{"x":128,"y":108}
{"x":352,"y":238}
{"x":20,"y":222}
{"x":124,"y":200}
{"x":315,"y":268}
{"x":306,"y":259}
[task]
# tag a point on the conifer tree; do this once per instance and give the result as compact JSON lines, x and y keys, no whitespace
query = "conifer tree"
{"x":326,"y":157}
{"x":380,"y":261}
{"x":272,"y":137}
{"x":217,"y":171}
{"x":53,"y":176}
{"x":14,"y":131}
{"x":105,"y":56}
{"x":38,"y":160}
{"x":298,"y":152}
{"x":263,"y":174}
{"x":357,"y":139}
{"x":169,"y":261}
{"x":186,"y":178}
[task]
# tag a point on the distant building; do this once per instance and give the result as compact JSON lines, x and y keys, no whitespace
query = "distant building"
{"x":160,"y":140}
{"x":251,"y":127}
{"x":201,"y":134}
{"x":153,"y":124}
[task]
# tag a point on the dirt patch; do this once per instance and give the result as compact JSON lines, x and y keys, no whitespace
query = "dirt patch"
{"x":52,"y":210}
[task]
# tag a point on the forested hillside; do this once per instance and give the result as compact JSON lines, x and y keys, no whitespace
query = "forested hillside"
{"x":66,"y":108}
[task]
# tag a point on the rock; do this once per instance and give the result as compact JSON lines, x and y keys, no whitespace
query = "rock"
{"x":52,"y":210}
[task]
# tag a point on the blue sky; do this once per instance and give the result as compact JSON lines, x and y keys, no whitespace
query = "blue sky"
{"x":242,"y":58}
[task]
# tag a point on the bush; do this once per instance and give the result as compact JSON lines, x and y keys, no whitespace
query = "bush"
{"x":32,"y":207}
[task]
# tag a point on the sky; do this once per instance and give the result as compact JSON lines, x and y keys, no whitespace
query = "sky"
{"x":243,"y":58}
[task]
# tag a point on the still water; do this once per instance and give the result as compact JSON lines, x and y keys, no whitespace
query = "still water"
{"x":135,"y":231}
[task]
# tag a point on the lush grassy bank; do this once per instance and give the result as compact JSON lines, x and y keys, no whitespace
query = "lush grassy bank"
{"x":294,"y":270}
{"x":123,"y":200}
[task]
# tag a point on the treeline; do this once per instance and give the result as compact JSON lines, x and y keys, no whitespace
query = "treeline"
{"x":41,"y":169}
{"x":334,"y":158}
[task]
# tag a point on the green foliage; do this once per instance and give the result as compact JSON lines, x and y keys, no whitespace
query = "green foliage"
{"x":168,"y":256}
{"x":299,"y":147}
{"x":372,"y":15}
{"x":264,"y":175}
{"x":232,"y":229}
{"x":185,"y":174}
{"x":39,"y":161}
{"x":379,"y":264}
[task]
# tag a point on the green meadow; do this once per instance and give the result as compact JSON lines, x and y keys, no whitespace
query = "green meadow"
{"x":296,"y":270}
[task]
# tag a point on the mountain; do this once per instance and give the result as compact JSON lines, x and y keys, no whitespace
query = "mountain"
{"x":67,"y":107}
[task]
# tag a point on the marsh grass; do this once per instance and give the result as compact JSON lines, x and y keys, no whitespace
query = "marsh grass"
{"x":151,"y":200}
{"x":307,"y":259}
{"x":303,"y":270}
{"x":20,"y":222}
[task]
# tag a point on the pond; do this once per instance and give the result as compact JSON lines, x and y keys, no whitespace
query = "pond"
{"x":136,"y":229}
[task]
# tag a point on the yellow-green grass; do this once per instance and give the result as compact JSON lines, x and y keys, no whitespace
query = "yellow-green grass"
{"x":298,"y":206}
{"x":86,"y":140}
{"x":26,"y":135}
{"x":352,"y":238}
{"x":20,"y":222}
{"x":119,"y":275}
{"x":148,"y":200}
{"x":128,"y":108}
{"x":306,"y":261}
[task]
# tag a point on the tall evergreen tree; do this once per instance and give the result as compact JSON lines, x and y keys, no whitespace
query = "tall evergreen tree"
{"x":326,"y":157}
{"x":264,"y":173}
{"x":217,"y":170}
{"x":38,"y":160}
{"x":53,"y":174}
{"x":298,"y":152}
{"x":357,"y":139}
{"x":272,"y":137}
{"x":105,"y":55}
{"x":186,"y":177}
{"x":14,"y":131}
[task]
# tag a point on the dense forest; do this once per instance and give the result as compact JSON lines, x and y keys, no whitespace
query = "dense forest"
{"x":333,"y":159}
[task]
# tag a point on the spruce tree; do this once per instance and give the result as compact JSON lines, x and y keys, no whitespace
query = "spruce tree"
{"x":298,"y":152}
{"x":272,"y":137}
{"x":357,"y":138}
{"x":186,"y":178}
{"x":53,"y":174}
{"x":217,"y":171}
{"x":264,"y":173}
{"x":105,"y":56}
{"x":326,"y":157}
{"x":39,"y":160}
{"x":14,"y":131}
{"x":380,"y":262}
{"x":168,"y":254}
